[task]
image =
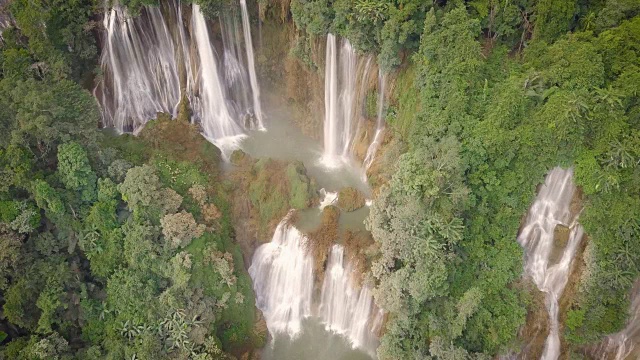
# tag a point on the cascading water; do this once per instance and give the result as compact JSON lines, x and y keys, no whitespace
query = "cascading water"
{"x":282,"y":273}
{"x":211,"y":105}
{"x":248,"y":44}
{"x":345,"y":308}
{"x":547,"y":261}
{"x":377,"y":139}
{"x":235,"y":74}
{"x":146,"y":68}
{"x":328,"y":198}
{"x":140,"y":70}
{"x":341,"y":75}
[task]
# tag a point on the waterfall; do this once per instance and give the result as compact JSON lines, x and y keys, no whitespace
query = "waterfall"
{"x":283,"y":279}
{"x":330,"y":102}
{"x":346,"y":81}
{"x":344,"y":308}
{"x":235,"y":73}
{"x":215,"y":118}
{"x":248,"y":44}
{"x":547,"y":261}
{"x":282,"y":275}
{"x":146,"y":68}
{"x":328,"y":198}
{"x":377,"y":139}
{"x":140,"y":70}
{"x":339,"y":97}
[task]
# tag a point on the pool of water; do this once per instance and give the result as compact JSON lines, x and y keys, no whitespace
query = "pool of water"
{"x":284,"y":140}
{"x":313,"y":343}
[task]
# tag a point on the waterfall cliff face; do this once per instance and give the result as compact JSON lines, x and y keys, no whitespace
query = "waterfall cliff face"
{"x":377,"y":138}
{"x":282,"y":273}
{"x":151,"y":61}
{"x":547,"y":260}
{"x":343,"y":98}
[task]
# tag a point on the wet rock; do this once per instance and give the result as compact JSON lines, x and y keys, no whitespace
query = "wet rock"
{"x":561,"y":235}
{"x":350,"y":199}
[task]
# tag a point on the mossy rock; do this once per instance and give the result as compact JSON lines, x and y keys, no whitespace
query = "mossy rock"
{"x":302,"y":188}
{"x":238,"y":157}
{"x":350,"y":199}
{"x":163,"y":116}
{"x":561,"y":235}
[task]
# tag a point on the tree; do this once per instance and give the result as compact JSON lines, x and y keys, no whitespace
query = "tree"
{"x":143,"y":192}
{"x":75,"y":170}
{"x":48,"y":114}
{"x":179,"y":229}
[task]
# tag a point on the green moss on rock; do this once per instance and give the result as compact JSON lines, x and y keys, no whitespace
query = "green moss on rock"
{"x":276,"y":187}
{"x":302,"y":189}
{"x":239,"y":157}
{"x":350,"y":199}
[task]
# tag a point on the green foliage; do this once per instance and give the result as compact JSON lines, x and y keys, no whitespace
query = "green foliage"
{"x":42,"y":115}
{"x":314,"y":16}
{"x":553,"y":18}
{"x":48,"y":199}
{"x":59,"y":35}
{"x":180,"y":228}
{"x":276,"y":187}
{"x":75,"y":171}
{"x":302,"y":190}
{"x":494,"y":125}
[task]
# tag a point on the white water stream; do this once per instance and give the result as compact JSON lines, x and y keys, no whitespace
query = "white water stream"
{"x":140,"y":69}
{"x":255,"y":88}
{"x":283,"y":277}
{"x":344,"y":71}
{"x":547,"y":261}
{"x":145,"y":69}
{"x":210,"y":104}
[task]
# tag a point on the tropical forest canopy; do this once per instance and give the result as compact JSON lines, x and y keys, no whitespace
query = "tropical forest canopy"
{"x":122,"y":246}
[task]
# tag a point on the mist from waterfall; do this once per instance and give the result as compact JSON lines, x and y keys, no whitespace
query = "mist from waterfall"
{"x":546,"y":261}
{"x":148,"y":70}
{"x":377,"y":138}
{"x":283,"y":279}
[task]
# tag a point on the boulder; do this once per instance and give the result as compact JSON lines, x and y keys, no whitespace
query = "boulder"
{"x":350,"y":199}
